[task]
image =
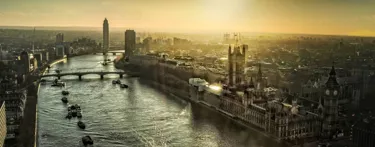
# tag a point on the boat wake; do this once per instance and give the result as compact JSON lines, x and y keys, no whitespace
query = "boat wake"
{"x":186,"y":111}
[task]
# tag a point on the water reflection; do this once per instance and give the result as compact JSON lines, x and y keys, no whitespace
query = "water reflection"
{"x":138,"y":116}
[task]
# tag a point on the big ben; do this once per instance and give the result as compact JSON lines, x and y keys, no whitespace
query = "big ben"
{"x":330,"y":102}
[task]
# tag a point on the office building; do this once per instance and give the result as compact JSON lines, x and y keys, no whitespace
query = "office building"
{"x":60,"y":51}
{"x":34,"y":63}
{"x":59,"y":39}
{"x":3,"y":126}
{"x":45,"y":55}
{"x":25,"y":62}
{"x":39,"y":58}
{"x":105,"y":35}
{"x":147,"y":44}
{"x":15,"y":101}
{"x":130,"y":43}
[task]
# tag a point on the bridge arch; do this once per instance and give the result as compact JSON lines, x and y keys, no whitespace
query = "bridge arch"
{"x":81,"y":74}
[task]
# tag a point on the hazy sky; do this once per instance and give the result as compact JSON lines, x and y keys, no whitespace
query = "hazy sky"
{"x":353,"y":17}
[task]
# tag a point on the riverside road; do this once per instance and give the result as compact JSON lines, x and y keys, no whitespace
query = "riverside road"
{"x":138,"y":116}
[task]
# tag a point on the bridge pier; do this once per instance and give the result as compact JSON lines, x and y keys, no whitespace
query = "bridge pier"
{"x":80,"y":77}
{"x":101,"y":77}
{"x":58,"y":77}
{"x":121,"y":75}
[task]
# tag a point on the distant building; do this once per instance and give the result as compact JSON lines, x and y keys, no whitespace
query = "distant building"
{"x":363,"y":133}
{"x":147,"y":44}
{"x":138,"y":40}
{"x":52,"y":53}
{"x":34,"y":64}
{"x":39,"y":58}
{"x":105,"y":35}
{"x":59,"y":39}
{"x":25,"y":62}
{"x":3,"y":126}
{"x":45,"y":56}
{"x":226,"y":39}
{"x":180,"y":41}
{"x":15,"y":101}
{"x":60,"y":50}
{"x":67,"y":48}
{"x":130,"y":43}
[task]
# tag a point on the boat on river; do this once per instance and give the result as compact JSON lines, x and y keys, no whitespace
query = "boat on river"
{"x":81,"y":125}
{"x":58,"y":83}
{"x":74,"y":113}
{"x":79,"y":114}
{"x":69,"y":116}
{"x":86,"y":140}
{"x":124,"y":86}
{"x":64,"y":100}
{"x":74,"y":109}
{"x":65,"y":92}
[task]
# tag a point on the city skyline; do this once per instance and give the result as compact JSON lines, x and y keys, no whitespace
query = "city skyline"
{"x":291,"y":16}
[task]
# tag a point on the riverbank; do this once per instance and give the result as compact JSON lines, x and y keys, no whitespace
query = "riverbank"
{"x":172,"y":81}
{"x":184,"y":95}
{"x":28,"y":127}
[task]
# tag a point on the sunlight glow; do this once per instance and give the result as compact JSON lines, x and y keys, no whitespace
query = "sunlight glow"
{"x":215,"y":87}
{"x":222,"y":11}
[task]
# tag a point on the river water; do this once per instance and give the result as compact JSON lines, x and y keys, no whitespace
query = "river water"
{"x":139,"y":116}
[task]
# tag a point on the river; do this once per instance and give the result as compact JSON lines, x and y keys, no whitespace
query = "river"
{"x":138,"y":116}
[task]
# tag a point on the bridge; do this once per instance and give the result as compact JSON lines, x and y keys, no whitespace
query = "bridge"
{"x":106,"y":53}
{"x":80,"y":74}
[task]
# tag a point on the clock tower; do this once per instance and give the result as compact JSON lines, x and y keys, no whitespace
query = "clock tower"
{"x":330,"y":104}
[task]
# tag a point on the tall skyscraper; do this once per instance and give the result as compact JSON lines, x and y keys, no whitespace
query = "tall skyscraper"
{"x":105,"y":35}
{"x":147,"y":44}
{"x":25,"y":62}
{"x":60,"y":45}
{"x":59,"y":39}
{"x":130,"y":42}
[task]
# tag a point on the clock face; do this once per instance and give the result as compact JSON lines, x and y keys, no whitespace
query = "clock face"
{"x":327,"y":92}
{"x":335,"y":92}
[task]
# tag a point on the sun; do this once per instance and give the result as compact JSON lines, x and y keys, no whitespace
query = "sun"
{"x":221,"y":11}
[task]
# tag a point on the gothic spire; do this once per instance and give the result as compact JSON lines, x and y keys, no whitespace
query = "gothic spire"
{"x":251,"y":84}
{"x":333,"y":71}
{"x":259,"y":71}
{"x":332,"y":80}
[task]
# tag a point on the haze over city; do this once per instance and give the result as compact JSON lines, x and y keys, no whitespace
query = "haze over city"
{"x":335,"y":17}
{"x":201,"y":73}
